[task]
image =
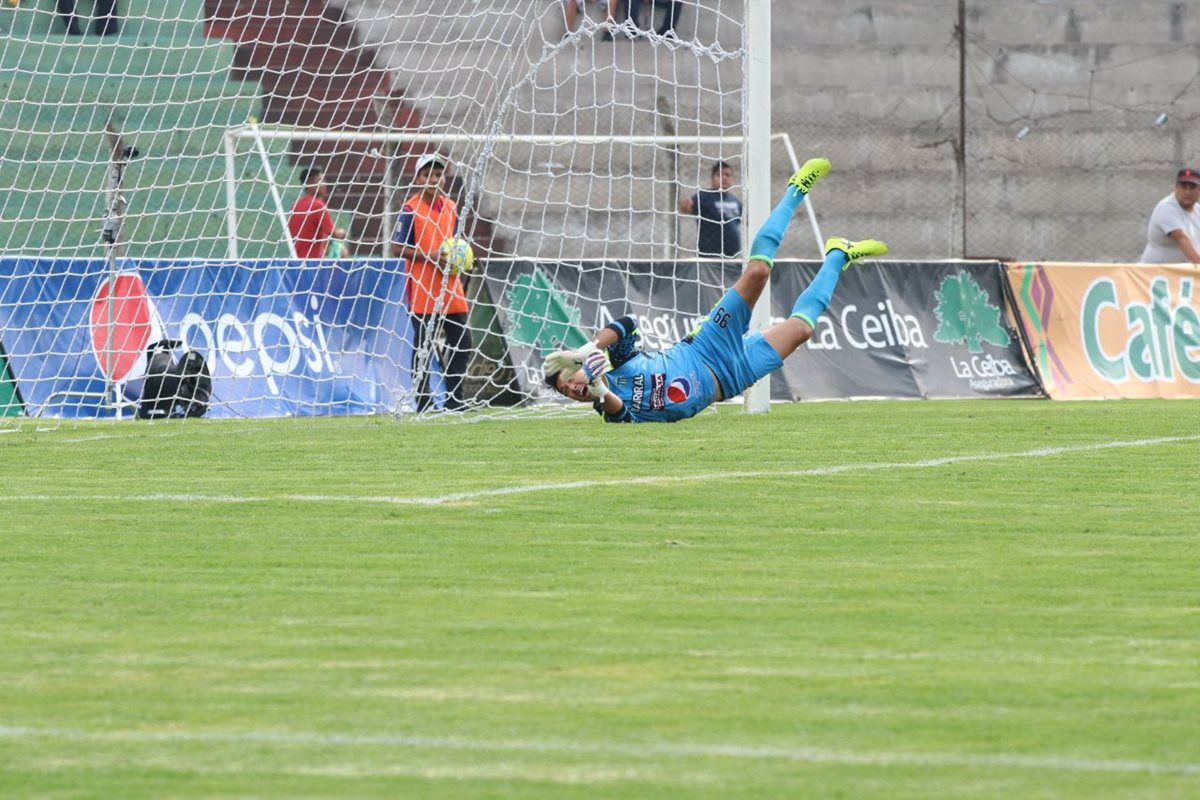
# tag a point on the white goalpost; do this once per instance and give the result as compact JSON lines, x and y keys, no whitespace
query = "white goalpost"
{"x":259,"y":135}
{"x":757,"y":128}
{"x":569,"y":154}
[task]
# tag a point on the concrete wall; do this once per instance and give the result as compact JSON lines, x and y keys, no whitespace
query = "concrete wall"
{"x":876,"y":85}
{"x":873,"y":85}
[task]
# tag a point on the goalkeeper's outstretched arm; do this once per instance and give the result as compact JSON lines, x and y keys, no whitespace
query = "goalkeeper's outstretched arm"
{"x":565,"y":363}
{"x":579,"y":374}
{"x":606,"y":337}
{"x":609,"y":403}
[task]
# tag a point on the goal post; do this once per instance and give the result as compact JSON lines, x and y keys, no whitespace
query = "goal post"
{"x":498,"y":150}
{"x":757,"y":131}
{"x":258,"y":134}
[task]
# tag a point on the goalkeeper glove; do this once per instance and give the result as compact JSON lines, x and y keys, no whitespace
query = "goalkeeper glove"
{"x":598,"y":390}
{"x":569,"y":360}
{"x":561,"y":360}
{"x":594,"y":365}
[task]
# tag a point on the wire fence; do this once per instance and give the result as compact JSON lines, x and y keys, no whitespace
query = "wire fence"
{"x":1020,"y":130}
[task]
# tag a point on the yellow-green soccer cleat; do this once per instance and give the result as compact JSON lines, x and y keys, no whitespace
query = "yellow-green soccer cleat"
{"x":813,"y":170}
{"x":855,"y":250}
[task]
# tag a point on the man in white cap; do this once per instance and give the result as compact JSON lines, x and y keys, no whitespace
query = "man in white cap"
{"x":1174,"y":232}
{"x":436,"y":298}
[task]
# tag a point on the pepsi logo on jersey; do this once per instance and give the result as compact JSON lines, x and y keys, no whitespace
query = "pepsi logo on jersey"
{"x":679,"y":390}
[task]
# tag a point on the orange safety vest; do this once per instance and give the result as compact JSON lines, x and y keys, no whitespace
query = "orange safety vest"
{"x":427,"y":281}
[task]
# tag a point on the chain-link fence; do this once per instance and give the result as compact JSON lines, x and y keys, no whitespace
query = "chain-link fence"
{"x":1036,"y":131}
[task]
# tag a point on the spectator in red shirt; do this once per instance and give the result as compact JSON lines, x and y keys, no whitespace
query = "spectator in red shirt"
{"x":310,"y":223}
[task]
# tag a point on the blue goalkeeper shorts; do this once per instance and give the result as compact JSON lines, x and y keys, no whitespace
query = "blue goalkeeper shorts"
{"x":738,"y":359}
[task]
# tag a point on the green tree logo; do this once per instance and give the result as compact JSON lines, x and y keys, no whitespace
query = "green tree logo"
{"x":965,"y":315}
{"x":540,"y":315}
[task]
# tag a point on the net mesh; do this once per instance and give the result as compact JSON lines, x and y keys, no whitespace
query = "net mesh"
{"x":572,"y":133}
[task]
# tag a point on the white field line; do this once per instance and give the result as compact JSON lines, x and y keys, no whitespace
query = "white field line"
{"x":104,"y":436}
{"x":50,"y":440}
{"x":460,"y":497}
{"x":810,"y":755}
{"x":93,"y":438}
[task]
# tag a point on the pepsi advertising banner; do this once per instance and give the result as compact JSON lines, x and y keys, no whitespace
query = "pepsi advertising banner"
{"x":894,"y":329}
{"x":299,"y":338}
{"x":281,"y":338}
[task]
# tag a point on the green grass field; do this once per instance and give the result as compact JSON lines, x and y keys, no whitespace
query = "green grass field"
{"x":854,"y":600}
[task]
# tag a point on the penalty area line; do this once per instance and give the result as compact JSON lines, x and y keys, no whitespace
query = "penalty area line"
{"x":504,"y":491}
{"x":801,"y":754}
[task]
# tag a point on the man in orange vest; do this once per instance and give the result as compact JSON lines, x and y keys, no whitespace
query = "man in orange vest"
{"x":435,"y":293}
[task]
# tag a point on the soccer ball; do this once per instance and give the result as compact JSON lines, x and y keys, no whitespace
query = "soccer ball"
{"x":458,"y":255}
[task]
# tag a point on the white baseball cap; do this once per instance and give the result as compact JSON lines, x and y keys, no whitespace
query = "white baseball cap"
{"x":430,"y":158}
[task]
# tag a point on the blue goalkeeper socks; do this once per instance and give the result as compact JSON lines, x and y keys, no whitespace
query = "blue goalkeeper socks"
{"x":813,"y":301}
{"x":770,"y":235}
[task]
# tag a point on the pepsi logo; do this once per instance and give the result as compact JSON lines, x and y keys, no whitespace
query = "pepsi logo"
{"x":123,"y":322}
{"x":679,"y":390}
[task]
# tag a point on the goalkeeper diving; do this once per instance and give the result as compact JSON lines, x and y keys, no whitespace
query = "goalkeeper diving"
{"x":719,"y":358}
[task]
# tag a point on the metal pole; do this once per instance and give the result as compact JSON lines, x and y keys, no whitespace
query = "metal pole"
{"x":962,"y":117}
{"x":231,"y":224}
{"x":114,"y":215}
{"x":808,"y":204}
{"x":111,"y":390}
{"x":387,"y":116}
{"x":270,"y":173}
{"x":756,"y":162}
{"x":310,"y":135}
{"x":388,"y":193}
{"x":665,"y":121}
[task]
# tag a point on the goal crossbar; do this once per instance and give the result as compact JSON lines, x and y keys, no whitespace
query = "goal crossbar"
{"x":261,"y":134}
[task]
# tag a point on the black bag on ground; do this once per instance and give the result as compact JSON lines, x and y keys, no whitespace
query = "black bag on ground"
{"x":173,"y":389}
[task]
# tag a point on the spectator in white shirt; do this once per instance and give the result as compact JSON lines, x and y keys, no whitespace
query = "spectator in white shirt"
{"x":1174,"y":232}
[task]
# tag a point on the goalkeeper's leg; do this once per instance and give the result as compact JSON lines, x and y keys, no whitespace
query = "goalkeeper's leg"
{"x":798,"y":328}
{"x":770,"y":235}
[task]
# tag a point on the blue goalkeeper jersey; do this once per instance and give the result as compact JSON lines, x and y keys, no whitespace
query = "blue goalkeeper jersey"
{"x":661,"y":387}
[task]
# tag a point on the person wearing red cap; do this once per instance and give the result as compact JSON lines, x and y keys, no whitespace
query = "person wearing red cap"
{"x":1174,"y":232}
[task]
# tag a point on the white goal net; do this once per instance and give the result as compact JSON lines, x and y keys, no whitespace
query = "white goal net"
{"x":239,"y":178}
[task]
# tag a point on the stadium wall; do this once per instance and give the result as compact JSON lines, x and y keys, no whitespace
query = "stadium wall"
{"x":1076,"y":114}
